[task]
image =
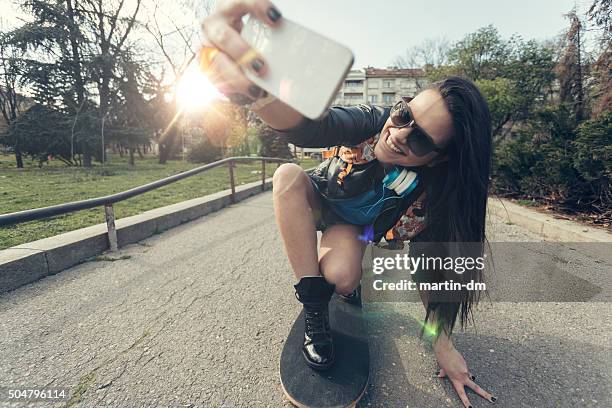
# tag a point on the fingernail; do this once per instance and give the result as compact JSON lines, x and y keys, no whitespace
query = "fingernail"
{"x":274,"y":14}
{"x":473,"y":377}
{"x":437,"y":372}
{"x":469,"y":406}
{"x":255,"y":91}
{"x":264,"y":94}
{"x":257,"y":64}
{"x":493,"y":399}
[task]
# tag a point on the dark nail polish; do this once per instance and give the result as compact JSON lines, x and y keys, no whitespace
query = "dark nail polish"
{"x":473,"y":377}
{"x":493,"y":399}
{"x":257,"y":64}
{"x":437,"y":372}
{"x":469,"y":406}
{"x":274,"y":14}
{"x":264,"y":94}
{"x":255,"y":91}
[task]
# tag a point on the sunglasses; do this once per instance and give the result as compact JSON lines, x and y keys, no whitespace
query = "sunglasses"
{"x":419,"y":142}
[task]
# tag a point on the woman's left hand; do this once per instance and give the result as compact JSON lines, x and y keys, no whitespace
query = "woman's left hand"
{"x":453,"y":366}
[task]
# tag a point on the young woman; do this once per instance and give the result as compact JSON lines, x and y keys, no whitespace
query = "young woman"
{"x":443,"y":134}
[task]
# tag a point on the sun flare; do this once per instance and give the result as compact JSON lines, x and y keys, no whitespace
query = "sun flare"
{"x":194,"y":90}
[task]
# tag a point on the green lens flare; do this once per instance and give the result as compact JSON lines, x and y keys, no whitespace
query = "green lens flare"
{"x":429,"y":329}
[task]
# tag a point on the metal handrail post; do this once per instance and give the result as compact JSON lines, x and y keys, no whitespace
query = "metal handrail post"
{"x":232,"y":184}
{"x":263,"y":175}
{"x":109,"y":214}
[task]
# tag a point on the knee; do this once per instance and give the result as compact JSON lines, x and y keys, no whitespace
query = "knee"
{"x":345,"y":278}
{"x":288,"y":178}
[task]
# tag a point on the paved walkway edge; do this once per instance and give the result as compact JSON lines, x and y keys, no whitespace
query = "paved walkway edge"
{"x":26,"y":263}
{"x":29,"y":262}
{"x":552,"y":229}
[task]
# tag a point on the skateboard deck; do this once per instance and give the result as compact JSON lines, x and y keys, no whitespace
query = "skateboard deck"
{"x":345,"y":382}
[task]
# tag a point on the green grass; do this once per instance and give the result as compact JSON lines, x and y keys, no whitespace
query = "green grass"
{"x":55,"y":183}
{"x":527,"y":203}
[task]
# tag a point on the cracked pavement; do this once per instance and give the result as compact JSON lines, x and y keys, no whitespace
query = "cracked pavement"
{"x":196,"y":317}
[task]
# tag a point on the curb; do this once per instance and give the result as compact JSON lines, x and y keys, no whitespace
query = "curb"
{"x":27,"y":263}
{"x":552,"y":229}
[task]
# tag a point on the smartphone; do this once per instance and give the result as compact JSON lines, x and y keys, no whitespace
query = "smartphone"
{"x":305,"y":69}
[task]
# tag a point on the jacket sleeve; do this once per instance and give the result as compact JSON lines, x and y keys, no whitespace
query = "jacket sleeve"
{"x":341,"y":126}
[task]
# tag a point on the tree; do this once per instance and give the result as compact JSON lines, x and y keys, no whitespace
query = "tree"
{"x":42,"y":131}
{"x":54,"y":49}
{"x":430,"y":55}
{"x":601,"y":89}
{"x":204,"y":152}
{"x":75,"y":52}
{"x":593,"y":159}
{"x":479,"y":55}
{"x":570,"y":69}
{"x":108,"y":26}
{"x":238,"y":141}
{"x":514,"y":75}
{"x":527,"y":75}
{"x":129,"y":122}
{"x":11,"y":102}
{"x":273,"y":144}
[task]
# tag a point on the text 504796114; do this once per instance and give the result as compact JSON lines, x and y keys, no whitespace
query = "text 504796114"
{"x":33,"y":393}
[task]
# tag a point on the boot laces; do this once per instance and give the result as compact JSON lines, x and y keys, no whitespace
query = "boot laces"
{"x":316,"y":321}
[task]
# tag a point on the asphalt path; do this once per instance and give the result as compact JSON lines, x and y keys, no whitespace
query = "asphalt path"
{"x":197,"y":316}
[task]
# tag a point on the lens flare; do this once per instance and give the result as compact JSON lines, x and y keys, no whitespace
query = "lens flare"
{"x":194,"y":91}
{"x":368,"y":234}
{"x":429,"y":329}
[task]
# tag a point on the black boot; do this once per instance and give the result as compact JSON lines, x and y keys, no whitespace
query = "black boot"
{"x":314,"y":293}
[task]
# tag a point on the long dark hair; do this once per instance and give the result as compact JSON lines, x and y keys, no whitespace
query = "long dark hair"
{"x":458,"y":194}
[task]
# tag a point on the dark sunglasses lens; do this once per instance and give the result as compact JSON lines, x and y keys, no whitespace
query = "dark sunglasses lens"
{"x":418,"y":143}
{"x":400,"y":116}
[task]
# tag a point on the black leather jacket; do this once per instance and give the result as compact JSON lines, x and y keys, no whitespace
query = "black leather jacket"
{"x":341,"y":126}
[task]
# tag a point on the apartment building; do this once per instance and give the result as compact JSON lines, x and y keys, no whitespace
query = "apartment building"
{"x":378,"y":86}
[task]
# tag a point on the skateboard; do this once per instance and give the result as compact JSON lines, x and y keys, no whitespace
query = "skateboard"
{"x":345,"y":382}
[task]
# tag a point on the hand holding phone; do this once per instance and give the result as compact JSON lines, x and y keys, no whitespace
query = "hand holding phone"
{"x":300,"y":67}
{"x":222,"y":30}
{"x":305,"y":69}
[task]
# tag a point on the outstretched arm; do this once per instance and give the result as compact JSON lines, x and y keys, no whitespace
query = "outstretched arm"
{"x":451,"y":362}
{"x":346,"y":126}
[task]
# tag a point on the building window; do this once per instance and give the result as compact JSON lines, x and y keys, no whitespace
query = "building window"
{"x":388,"y":83}
{"x":388,"y":98}
{"x":407,"y":84}
{"x":373,"y":98}
{"x":353,"y":84}
{"x":353,"y":97}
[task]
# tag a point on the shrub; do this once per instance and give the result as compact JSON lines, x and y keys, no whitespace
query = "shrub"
{"x":273,"y":144}
{"x":593,"y":155}
{"x":553,"y":160}
{"x":204,"y":152}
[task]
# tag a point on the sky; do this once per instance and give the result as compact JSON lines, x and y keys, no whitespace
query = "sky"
{"x":380,"y":31}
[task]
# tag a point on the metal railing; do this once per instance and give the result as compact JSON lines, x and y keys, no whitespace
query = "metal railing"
{"x":108,"y":201}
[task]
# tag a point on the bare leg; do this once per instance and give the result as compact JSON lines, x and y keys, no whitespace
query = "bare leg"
{"x":340,"y":257}
{"x":294,"y":203}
